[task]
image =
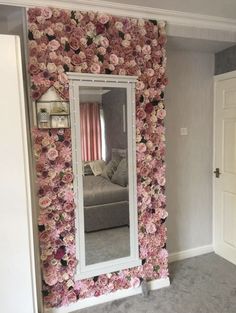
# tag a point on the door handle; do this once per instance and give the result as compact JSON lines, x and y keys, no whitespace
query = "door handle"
{"x":217,"y":172}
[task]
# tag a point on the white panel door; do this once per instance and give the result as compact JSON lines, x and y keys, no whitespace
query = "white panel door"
{"x":17,"y":283}
{"x":225,"y":161}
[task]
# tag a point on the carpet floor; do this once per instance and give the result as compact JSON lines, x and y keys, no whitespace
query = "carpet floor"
{"x":204,"y":284}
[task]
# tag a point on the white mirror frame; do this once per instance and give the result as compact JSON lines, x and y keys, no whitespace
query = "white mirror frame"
{"x":77,"y":80}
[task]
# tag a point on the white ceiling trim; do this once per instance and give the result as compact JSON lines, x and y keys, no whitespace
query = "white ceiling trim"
{"x":172,"y":17}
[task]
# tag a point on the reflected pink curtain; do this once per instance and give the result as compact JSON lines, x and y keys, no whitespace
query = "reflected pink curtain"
{"x":90,"y":128}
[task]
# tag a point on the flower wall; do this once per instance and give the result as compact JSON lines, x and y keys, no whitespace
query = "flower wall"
{"x":88,"y":42}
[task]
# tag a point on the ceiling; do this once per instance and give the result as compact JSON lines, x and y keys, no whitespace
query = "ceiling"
{"x":220,"y":8}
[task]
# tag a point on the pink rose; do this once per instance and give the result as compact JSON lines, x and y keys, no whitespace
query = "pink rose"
{"x":103,"y":18}
{"x":50,"y":278}
{"x":67,"y":178}
{"x":152,"y":81}
{"x":44,"y":202}
{"x":151,"y":228}
{"x":135,"y":282}
{"x":141,"y":114}
{"x":74,"y":43}
{"x":53,"y":45}
{"x":163,"y":255}
{"x":102,"y":50}
{"x":103,"y":280}
{"x":141,"y":147}
{"x":71,"y":296}
{"x":161,"y":114}
{"x":75,"y":59}
{"x":146,"y":49}
{"x":148,"y":270}
{"x":52,"y":154}
{"x":63,"y":78}
{"x":161,"y":181}
{"x":150,"y":72}
{"x":163,"y":272}
{"x":140,"y":85}
{"x":34,"y":69}
{"x":68,"y":207}
{"x":143,"y":252}
{"x":114,"y":59}
{"x":46,"y":13}
{"x":95,"y":68}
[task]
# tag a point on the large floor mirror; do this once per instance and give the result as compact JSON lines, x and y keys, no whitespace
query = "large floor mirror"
{"x":104,"y":165}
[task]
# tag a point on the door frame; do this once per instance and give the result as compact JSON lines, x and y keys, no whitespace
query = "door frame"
{"x":217,"y":78}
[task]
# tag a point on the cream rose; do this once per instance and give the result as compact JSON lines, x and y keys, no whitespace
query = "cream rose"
{"x":95,"y":68}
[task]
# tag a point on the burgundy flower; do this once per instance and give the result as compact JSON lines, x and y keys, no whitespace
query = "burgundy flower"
{"x":100,"y":28}
{"x":36,"y":94}
{"x":60,"y":253}
{"x":68,"y":28}
{"x":149,"y":108}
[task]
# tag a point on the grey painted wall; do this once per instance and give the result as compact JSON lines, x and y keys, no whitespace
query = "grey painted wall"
{"x":225,"y":61}
{"x":189,"y":103}
{"x":112,"y":104}
{"x":11,"y":22}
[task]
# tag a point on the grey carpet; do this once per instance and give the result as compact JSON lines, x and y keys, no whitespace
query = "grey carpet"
{"x":204,"y":284}
{"x":106,"y":245}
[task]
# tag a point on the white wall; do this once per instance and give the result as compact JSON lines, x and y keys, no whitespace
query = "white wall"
{"x":189,"y":102}
{"x":17,"y":287}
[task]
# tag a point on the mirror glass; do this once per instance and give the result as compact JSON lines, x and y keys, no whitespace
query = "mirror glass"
{"x":104,"y":147}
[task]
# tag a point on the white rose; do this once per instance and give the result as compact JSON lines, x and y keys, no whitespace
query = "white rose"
{"x":125,"y":43}
{"x":119,"y":26}
{"x":51,"y":67}
{"x":141,"y":22}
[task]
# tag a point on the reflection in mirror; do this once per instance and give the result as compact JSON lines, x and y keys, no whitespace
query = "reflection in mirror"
{"x":104,"y":144}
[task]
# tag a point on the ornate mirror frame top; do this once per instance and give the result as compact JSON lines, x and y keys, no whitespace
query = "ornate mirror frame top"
{"x":77,"y":80}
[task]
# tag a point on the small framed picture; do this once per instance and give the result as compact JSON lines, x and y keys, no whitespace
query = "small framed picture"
{"x":58,"y":108}
{"x":59,"y":121}
{"x":43,"y":117}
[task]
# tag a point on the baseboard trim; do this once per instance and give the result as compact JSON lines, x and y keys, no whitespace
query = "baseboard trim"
{"x":153,"y":285}
{"x":185,"y":254}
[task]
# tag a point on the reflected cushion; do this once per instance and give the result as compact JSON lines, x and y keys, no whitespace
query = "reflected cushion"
{"x":120,"y":177}
{"x":97,"y":167}
{"x":87,"y":169}
{"x":110,"y":168}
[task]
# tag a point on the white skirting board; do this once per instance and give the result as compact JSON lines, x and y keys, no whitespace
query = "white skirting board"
{"x":153,"y":285}
{"x":185,"y":254}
